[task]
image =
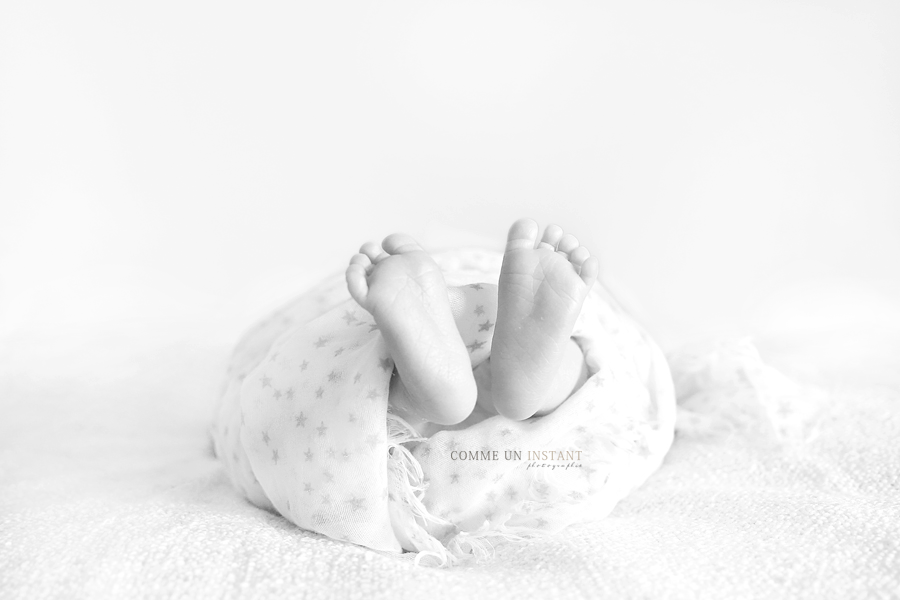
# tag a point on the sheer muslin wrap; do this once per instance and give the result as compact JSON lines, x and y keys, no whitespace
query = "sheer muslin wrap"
{"x":304,"y":429}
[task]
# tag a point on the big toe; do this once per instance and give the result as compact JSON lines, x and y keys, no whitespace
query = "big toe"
{"x":522,"y":235}
{"x":400,"y":243}
{"x":373,"y":251}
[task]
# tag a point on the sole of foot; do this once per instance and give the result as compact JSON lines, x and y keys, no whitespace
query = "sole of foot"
{"x":543,"y":284}
{"x":403,"y":289}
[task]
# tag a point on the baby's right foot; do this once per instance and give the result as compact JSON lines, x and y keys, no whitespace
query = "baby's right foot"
{"x":542,"y":289}
{"x":404,"y":290}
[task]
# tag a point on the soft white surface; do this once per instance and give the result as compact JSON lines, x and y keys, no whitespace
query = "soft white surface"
{"x":108,"y":489}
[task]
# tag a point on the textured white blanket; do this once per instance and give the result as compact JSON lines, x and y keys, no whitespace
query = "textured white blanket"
{"x":108,"y":489}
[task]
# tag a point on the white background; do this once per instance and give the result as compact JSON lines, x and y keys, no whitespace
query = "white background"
{"x":736,"y":165}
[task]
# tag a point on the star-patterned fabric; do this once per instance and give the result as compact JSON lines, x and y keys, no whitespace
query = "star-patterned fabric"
{"x":305,"y":428}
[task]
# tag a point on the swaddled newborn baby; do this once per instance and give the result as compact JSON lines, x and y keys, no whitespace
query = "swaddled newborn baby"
{"x":439,"y":403}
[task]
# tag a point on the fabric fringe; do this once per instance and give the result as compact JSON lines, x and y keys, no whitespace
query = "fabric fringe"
{"x":410,"y":488}
{"x":412,"y":481}
{"x":478,"y":545}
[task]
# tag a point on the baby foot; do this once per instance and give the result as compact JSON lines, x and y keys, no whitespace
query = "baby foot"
{"x":542,"y":288}
{"x":404,"y":290}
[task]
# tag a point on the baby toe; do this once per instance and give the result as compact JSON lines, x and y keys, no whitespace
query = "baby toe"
{"x":371,"y":250}
{"x":551,"y":237}
{"x":590,"y":270}
{"x":361,"y":260}
{"x":356,"y":281}
{"x":579,"y":255}
{"x":567,"y":244}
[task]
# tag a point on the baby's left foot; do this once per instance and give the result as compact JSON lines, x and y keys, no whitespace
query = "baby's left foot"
{"x":542,"y":289}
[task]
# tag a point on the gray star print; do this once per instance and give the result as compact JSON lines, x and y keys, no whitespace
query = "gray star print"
{"x":476,"y":345}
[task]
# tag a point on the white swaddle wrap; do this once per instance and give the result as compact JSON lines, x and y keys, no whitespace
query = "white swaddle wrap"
{"x":304,"y":428}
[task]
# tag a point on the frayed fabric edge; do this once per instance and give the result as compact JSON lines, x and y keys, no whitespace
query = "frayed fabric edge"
{"x":410,"y":486}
